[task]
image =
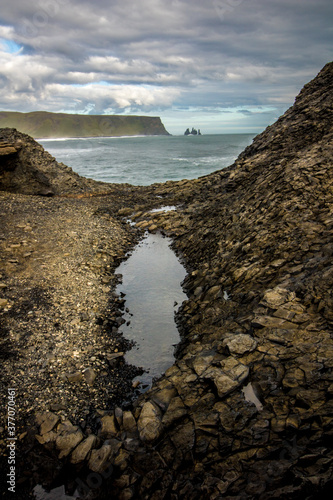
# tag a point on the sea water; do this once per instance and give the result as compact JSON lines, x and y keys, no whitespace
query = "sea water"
{"x":144,"y":160}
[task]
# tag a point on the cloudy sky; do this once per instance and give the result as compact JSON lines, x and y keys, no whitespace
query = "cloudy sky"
{"x":225,"y":66}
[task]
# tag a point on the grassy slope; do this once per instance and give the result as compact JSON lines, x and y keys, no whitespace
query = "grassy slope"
{"x":40,"y":124}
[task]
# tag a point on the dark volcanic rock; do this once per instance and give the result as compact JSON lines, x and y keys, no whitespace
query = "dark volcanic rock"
{"x":257,"y":241}
{"x":26,"y":168}
{"x":261,"y":231}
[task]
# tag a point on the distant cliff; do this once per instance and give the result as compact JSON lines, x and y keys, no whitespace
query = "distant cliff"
{"x":42,"y":124}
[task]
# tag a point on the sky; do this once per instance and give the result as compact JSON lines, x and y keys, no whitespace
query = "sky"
{"x":224,"y":66}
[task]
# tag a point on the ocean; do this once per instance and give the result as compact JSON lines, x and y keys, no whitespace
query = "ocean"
{"x":144,"y":160}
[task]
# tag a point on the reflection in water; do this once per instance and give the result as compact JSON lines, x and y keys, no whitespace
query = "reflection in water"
{"x":251,"y":396}
{"x":167,"y":208}
{"x":152,"y":278}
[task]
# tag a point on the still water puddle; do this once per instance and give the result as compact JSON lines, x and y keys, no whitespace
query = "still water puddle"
{"x":152,"y":277}
{"x":250,"y":395}
{"x":167,"y":208}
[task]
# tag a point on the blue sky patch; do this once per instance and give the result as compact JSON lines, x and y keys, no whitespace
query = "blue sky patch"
{"x":10,"y":46}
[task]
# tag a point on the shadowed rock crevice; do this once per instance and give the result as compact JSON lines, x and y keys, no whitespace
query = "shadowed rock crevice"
{"x":26,"y":168}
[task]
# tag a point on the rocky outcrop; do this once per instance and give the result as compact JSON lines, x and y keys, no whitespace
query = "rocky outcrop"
{"x":193,"y":131}
{"x":257,"y":238}
{"x":26,"y":168}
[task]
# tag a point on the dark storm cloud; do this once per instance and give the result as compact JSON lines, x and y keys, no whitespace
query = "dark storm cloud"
{"x":150,"y":55}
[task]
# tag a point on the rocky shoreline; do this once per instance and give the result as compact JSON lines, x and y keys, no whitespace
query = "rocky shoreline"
{"x":60,"y":317}
{"x":256,"y":239}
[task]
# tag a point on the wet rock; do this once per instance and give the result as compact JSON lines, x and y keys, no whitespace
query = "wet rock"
{"x":311,"y":398}
{"x":293,"y":378}
{"x":293,"y":421}
{"x":224,"y":384}
{"x":149,"y":424}
{"x":113,"y":357}
{"x":121,"y":460}
{"x":276,"y":297}
{"x":183,"y":437}
{"x":118,"y":413}
{"x":125,"y":211}
{"x":272,"y":322}
{"x":202,"y":362}
{"x":213,"y":293}
{"x":48,"y":437}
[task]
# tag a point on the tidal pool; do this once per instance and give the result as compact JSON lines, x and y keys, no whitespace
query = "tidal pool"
{"x":151,"y":282}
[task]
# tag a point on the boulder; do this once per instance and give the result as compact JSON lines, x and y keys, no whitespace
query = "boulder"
{"x":108,"y":428}
{"x":129,"y":422}
{"x":68,"y":439}
{"x":82,"y":451}
{"x":100,"y":459}
{"x":47,"y":421}
{"x":240,"y":344}
{"x":149,"y":423}
{"x":276,"y":297}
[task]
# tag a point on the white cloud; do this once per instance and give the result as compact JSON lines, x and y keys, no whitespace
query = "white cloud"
{"x":7,"y":32}
{"x":114,"y":65}
{"x":115,"y":96}
{"x":152,"y":54}
{"x":23,"y":73}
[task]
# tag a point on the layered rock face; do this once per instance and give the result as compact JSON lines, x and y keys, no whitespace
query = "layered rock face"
{"x":26,"y":168}
{"x":261,"y":231}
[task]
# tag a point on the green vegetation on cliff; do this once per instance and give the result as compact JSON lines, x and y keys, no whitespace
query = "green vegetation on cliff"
{"x":42,"y":124}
